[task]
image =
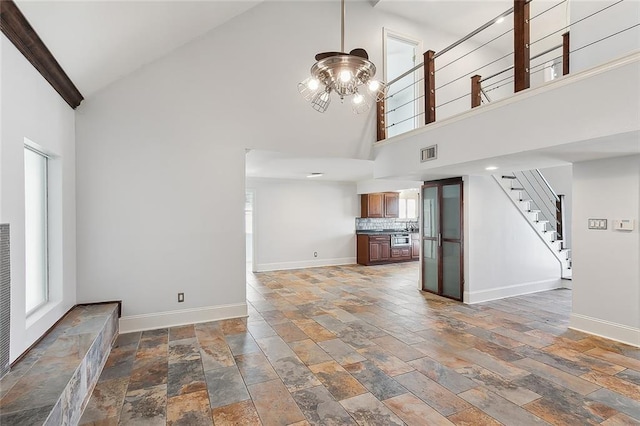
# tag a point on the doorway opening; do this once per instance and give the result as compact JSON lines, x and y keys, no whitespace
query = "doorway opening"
{"x":248,"y":226}
{"x":401,"y":53}
{"x":442,"y":238}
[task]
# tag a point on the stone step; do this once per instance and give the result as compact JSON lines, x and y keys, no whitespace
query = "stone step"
{"x":52,"y":383}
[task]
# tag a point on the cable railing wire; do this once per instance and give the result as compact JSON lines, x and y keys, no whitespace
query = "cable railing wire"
{"x":479,"y":47}
{"x":546,"y":10}
{"x":604,"y":38}
{"x":502,"y":85}
{"x":498,"y":81}
{"x":453,"y":100}
{"x":406,"y":119}
{"x":404,"y":104}
{"x":404,"y":88}
{"x":477,"y":69}
{"x":576,"y":22}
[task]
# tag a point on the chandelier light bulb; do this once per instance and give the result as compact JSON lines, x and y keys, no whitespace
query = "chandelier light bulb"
{"x":313,"y":84}
{"x":358,"y":98}
{"x":374,"y":85}
{"x":345,"y":76}
{"x":325,"y":96}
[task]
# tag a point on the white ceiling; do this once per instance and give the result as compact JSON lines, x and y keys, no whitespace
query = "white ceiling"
{"x":98,"y":42}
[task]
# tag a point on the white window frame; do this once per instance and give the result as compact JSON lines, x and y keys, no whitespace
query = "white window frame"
{"x":417,"y":75}
{"x":46,"y":232}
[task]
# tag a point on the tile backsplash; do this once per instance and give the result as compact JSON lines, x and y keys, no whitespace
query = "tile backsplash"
{"x":379,"y":224}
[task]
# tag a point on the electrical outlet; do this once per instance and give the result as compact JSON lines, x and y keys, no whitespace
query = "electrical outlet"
{"x":180,"y":297}
{"x":315,"y":254}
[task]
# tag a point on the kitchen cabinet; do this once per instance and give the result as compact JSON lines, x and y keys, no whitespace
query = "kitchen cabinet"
{"x":373,"y":249}
{"x":401,"y":253}
{"x":376,"y":249}
{"x":380,"y":205}
{"x":415,"y":246}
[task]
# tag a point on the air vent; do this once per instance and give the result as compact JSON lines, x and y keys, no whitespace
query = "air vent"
{"x":429,"y":153}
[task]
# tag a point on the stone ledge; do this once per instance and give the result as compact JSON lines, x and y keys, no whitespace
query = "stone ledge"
{"x":52,"y":384}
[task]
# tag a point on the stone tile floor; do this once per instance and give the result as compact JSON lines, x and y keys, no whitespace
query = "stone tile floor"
{"x":361,"y":345}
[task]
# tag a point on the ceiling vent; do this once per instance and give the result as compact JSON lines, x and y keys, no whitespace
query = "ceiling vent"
{"x":429,"y":153}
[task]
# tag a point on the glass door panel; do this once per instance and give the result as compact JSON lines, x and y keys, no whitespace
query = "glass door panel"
{"x":430,"y":246}
{"x":442,"y":238}
{"x":451,"y":212}
{"x":430,"y":212}
{"x":430,"y":265}
{"x":451,"y":270}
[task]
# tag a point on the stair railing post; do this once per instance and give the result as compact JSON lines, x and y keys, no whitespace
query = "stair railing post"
{"x":476,"y":91}
{"x":429,"y":87}
{"x":521,"y":54}
{"x":560,"y":217}
{"x":565,"y":53}
{"x":381,"y":120}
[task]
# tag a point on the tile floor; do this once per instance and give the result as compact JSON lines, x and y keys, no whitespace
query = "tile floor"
{"x":361,"y":345}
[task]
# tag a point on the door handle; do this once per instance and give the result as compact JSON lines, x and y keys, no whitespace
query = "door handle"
{"x":439,"y":240}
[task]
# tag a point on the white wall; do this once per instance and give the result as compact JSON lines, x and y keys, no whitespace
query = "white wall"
{"x":606,"y":274}
{"x":561,"y":180}
{"x":504,"y":255}
{"x":161,"y":155}
{"x":32,"y":109}
{"x":611,"y":20}
{"x":295,"y":218}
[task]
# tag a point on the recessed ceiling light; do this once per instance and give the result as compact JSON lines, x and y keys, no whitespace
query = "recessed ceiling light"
{"x":491,"y":168}
{"x":315,"y":174}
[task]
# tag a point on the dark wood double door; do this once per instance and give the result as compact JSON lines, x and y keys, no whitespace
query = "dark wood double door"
{"x":442,"y":238}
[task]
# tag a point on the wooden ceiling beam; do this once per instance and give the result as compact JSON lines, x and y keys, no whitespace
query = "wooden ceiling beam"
{"x":18,"y":30}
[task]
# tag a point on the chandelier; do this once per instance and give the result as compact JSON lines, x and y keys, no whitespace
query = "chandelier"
{"x":347,"y":74}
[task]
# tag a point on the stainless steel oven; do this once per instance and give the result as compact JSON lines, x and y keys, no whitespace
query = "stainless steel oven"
{"x":400,"y":240}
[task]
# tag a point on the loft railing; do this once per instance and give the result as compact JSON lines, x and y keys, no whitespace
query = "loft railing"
{"x":414,"y":98}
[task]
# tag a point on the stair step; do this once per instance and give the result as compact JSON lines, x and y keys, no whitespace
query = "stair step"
{"x":517,"y":189}
{"x":508,"y":177}
{"x":533,"y":211}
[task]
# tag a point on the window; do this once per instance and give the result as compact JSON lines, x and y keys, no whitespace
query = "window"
{"x":36,"y":250}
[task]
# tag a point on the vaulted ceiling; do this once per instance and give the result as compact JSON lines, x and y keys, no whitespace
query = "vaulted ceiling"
{"x":98,"y":42}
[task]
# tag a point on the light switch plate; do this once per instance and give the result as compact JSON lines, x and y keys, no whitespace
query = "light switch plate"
{"x":597,"y":223}
{"x":623,"y":224}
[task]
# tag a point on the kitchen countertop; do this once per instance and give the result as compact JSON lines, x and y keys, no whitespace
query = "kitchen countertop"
{"x":385,"y":232}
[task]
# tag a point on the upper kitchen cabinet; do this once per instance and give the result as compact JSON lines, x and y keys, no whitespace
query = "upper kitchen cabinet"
{"x":382,"y":204}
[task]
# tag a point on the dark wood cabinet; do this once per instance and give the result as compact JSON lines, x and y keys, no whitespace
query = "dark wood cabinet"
{"x":391,"y":204}
{"x":401,"y":253}
{"x":380,"y":205}
{"x":415,"y":246}
{"x":376,"y":249}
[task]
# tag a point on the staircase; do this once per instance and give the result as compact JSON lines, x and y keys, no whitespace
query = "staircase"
{"x":542,"y":208}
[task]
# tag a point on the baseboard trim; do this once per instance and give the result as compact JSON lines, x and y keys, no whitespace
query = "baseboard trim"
{"x":511,"y":291}
{"x":265,"y":267}
{"x":156,"y":320}
{"x":607,"y":329}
